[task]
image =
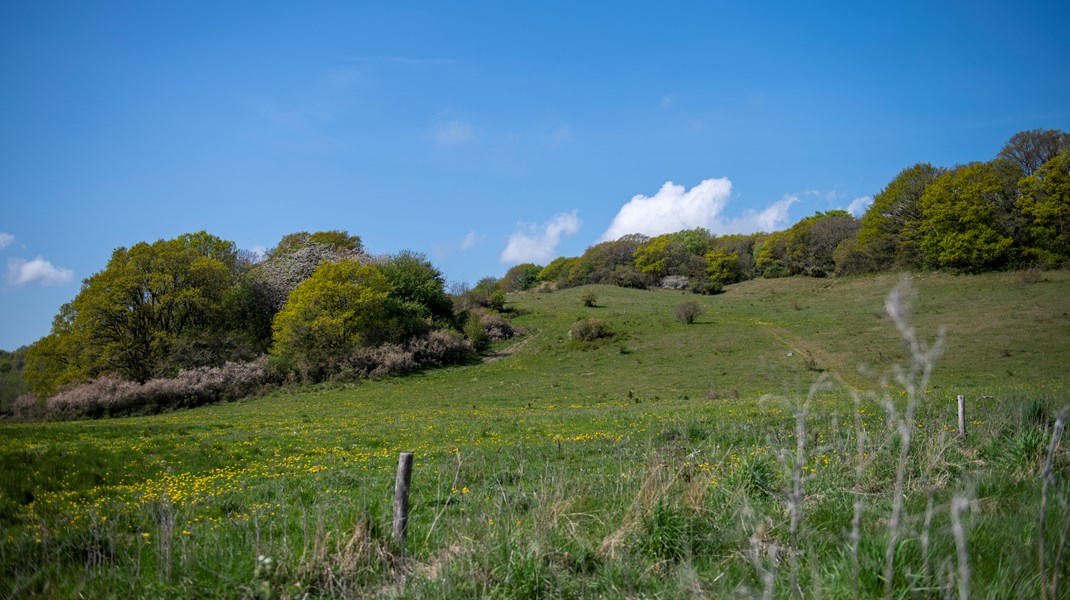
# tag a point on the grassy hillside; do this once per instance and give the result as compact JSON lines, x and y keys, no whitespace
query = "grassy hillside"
{"x":671,"y":460}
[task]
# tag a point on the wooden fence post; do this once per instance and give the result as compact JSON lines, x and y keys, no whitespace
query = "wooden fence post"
{"x":962,"y":416}
{"x":401,"y":498}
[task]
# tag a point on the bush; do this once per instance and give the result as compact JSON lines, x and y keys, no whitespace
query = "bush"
{"x":113,"y":395}
{"x":473,"y":330}
{"x":627,"y":276}
{"x":589,"y":299}
{"x":436,"y":349}
{"x":687,"y":312}
{"x":496,"y":327}
{"x":589,"y":330}
{"x":707,"y":287}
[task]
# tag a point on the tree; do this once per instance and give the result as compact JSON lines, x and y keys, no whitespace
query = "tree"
{"x":962,"y":227}
{"x":811,"y":241}
{"x":597,"y":263}
{"x":1045,"y":205}
{"x":155,"y":308}
{"x":889,"y":229}
{"x":338,"y":241}
{"x":770,"y":256}
{"x":295,"y":258}
{"x":679,"y":253}
{"x":416,"y":281}
{"x":521,"y":277}
{"x":722,"y":266}
{"x":1031,"y":149}
{"x":343,"y":306}
{"x":557,"y":271}
{"x":742,"y":246}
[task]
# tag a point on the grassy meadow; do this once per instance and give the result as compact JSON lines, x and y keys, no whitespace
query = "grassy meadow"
{"x":786,"y":444}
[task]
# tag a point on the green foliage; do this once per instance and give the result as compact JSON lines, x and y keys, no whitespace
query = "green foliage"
{"x":342,"y":307}
{"x":961,"y":225}
{"x":808,"y":245}
{"x":415,"y":281}
{"x":771,"y":255}
{"x":596,"y":265}
{"x":889,"y":229}
{"x":589,"y":299}
{"x":521,"y":277}
{"x":677,"y":253}
{"x":474,"y":331}
{"x":706,"y":287}
{"x":723,"y":266}
{"x":651,"y":258}
{"x":1045,"y":205}
{"x":629,"y":277}
{"x":12,"y":383}
{"x":488,"y":294}
{"x":155,"y":308}
{"x":557,"y":271}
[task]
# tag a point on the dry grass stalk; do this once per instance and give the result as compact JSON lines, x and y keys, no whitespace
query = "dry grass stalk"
{"x":915,"y":381}
{"x":1047,"y":480}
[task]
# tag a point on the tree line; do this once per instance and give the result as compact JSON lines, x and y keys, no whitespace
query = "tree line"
{"x":317,"y":304}
{"x":1010,"y":212}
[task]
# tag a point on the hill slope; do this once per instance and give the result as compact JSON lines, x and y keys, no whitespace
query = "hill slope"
{"x":648,"y":463}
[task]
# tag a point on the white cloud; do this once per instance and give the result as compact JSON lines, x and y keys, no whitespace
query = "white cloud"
{"x":454,"y":132}
{"x":859,"y":205}
{"x":469,"y":241}
{"x":537,"y":243}
{"x":672,"y":209}
{"x":772,"y":218}
{"x":6,"y":239}
{"x":23,"y":272}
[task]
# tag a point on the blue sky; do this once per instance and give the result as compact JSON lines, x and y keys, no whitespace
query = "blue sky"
{"x":483,"y":134}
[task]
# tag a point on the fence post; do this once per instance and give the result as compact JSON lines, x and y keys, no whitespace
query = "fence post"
{"x":401,"y":498}
{"x":962,"y":416}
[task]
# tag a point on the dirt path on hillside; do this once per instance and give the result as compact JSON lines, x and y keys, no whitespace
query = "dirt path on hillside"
{"x":510,"y":350}
{"x":806,"y":351}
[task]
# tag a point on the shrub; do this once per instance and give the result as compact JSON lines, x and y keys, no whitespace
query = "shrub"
{"x":589,"y":330}
{"x":589,"y":299}
{"x":627,"y":276}
{"x":687,"y":312}
{"x":113,"y":395}
{"x":473,"y":330}
{"x":27,"y":407}
{"x":707,"y":287}
{"x":496,"y":327}
{"x":435,"y":349}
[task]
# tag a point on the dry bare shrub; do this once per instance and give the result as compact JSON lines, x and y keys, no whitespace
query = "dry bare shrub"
{"x":440,"y":347}
{"x":589,"y":330}
{"x":393,"y":359}
{"x":435,"y":349}
{"x":687,"y":312}
{"x":27,"y":407}
{"x":112,"y":395}
{"x":495,"y":327}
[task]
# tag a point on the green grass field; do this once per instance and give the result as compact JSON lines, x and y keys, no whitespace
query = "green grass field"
{"x":758,"y":452}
